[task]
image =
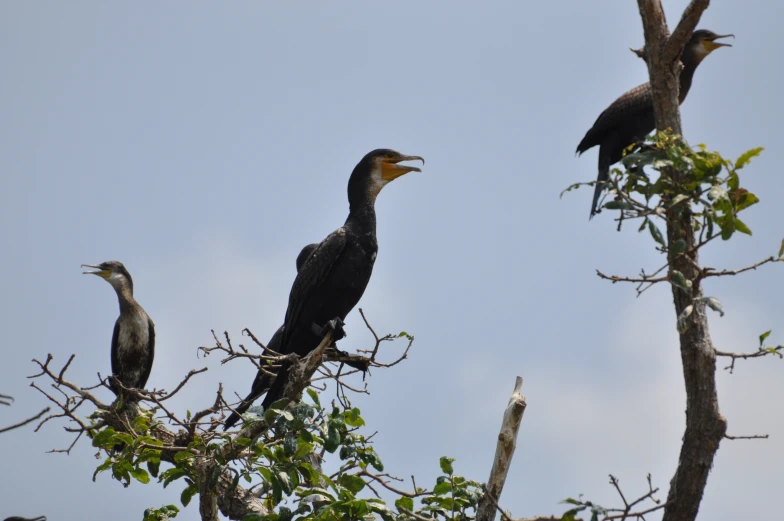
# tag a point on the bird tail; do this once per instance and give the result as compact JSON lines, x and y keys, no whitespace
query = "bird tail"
{"x":601,"y":182}
{"x":275,"y":392}
{"x":234,"y":417}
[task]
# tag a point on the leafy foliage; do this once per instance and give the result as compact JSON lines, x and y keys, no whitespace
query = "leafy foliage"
{"x":284,"y":466}
{"x":707,"y":183}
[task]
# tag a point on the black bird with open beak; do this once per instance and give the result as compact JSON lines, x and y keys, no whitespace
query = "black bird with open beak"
{"x":133,"y":341}
{"x":630,"y":118}
{"x":334,"y":277}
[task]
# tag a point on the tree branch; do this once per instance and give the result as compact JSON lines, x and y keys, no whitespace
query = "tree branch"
{"x":705,"y":427}
{"x":25,"y":422}
{"x":505,"y":448}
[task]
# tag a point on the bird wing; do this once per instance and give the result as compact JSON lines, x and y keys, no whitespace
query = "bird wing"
{"x":628,"y":106}
{"x":150,"y":353}
{"x":115,"y":354}
{"x":314,"y":272}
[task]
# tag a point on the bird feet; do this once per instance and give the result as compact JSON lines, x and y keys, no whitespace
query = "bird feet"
{"x":335,"y":325}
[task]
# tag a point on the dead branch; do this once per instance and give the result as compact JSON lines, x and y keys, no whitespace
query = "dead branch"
{"x":709,"y":272}
{"x":24,"y":422}
{"x":504,"y":452}
{"x":752,"y":437}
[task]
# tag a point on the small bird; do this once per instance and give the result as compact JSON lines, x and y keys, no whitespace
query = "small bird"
{"x":334,"y":277}
{"x":630,"y":118}
{"x":133,"y":341}
{"x":262,"y":381}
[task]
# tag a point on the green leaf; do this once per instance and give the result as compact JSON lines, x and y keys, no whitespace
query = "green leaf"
{"x":332,"y":441}
{"x":617,"y":205}
{"x":252,"y":517}
{"x":352,"y":483}
{"x":154,"y":467}
{"x":734,"y":181}
{"x":678,"y":280}
{"x":103,"y":437}
{"x":714,"y":304}
{"x":188,"y":494}
{"x":141,"y":475}
{"x":781,"y":250}
{"x":405,"y":503}
{"x":353,"y":418}
{"x":745,"y":158}
{"x":445,"y":487}
{"x":763,"y":336}
{"x":446,"y":465}
{"x":122,"y":437}
{"x":655,"y":233}
{"x":570,"y":515}
{"x":683,"y":319}
{"x":727,"y":227}
{"x":741,"y":227}
{"x":303,"y":450}
{"x":314,"y":396}
{"x":570,"y":501}
{"x":243,"y":442}
{"x":172,"y":474}
{"x":183,"y":455}
{"x":678,"y":246}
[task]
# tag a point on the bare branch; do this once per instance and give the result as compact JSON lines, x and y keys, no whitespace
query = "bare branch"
{"x":680,"y":36}
{"x":507,"y":440}
{"x":752,"y":437}
{"x":25,"y":422}
{"x":709,"y":272}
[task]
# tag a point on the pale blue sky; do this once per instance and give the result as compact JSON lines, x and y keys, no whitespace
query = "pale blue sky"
{"x":204,"y":146}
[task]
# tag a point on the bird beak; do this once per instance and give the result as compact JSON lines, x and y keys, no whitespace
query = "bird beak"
{"x":712,"y":44}
{"x":391,"y":170}
{"x":103,"y":273}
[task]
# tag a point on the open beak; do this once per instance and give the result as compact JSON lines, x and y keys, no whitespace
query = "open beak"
{"x":713,"y":44}
{"x":391,"y":169}
{"x":104,"y":273}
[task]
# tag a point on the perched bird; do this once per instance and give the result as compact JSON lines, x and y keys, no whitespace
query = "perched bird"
{"x":262,"y":381}
{"x":133,"y":341}
{"x":335,"y":275}
{"x":630,"y":118}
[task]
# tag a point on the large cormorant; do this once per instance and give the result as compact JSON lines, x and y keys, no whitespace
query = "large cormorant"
{"x":133,"y":340}
{"x":630,"y":118}
{"x":335,"y":275}
{"x":262,"y":381}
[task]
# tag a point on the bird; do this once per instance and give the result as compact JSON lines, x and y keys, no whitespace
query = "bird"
{"x":334,"y":277}
{"x":630,"y":118}
{"x":133,"y":340}
{"x":262,"y":381}
{"x":19,"y":518}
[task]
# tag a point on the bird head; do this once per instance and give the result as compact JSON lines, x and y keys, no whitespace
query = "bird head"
{"x":113,"y":272}
{"x":376,"y":170}
{"x":703,"y":42}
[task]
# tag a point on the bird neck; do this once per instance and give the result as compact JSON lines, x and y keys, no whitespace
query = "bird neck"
{"x":690,"y":62}
{"x":125,"y":297}
{"x":362,"y":218}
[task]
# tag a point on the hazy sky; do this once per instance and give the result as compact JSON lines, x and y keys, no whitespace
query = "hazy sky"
{"x":204,"y":146}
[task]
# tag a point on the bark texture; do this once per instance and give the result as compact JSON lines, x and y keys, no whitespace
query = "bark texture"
{"x":705,"y":427}
{"x":504,"y":451}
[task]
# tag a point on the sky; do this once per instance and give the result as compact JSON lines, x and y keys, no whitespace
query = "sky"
{"x":203,"y":146}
